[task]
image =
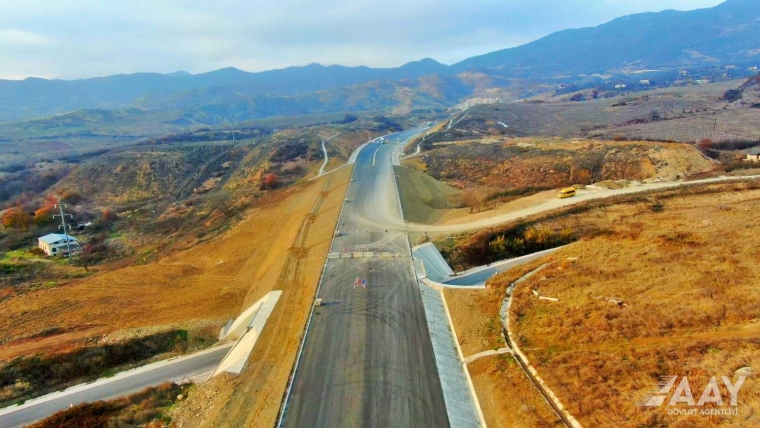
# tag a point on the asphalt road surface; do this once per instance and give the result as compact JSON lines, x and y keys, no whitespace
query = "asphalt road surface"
{"x":120,"y":385}
{"x":367,"y":358}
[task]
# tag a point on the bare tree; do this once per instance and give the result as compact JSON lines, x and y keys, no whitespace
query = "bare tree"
{"x":593,"y":162}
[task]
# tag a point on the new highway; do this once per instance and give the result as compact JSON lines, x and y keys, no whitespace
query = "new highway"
{"x":367,"y":358}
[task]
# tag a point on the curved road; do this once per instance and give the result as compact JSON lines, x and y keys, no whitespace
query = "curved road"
{"x":125,"y":383}
{"x":462,"y":225}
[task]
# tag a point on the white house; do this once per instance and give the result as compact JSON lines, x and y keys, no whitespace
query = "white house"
{"x":753,"y":155}
{"x":54,"y":244}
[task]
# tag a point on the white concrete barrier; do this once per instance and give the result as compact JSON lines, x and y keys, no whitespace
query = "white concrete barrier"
{"x":252,"y":321}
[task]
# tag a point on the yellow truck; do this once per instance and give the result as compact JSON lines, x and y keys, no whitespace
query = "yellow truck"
{"x":568,"y":192}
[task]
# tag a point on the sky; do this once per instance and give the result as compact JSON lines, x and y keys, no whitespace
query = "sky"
{"x":72,"y":39}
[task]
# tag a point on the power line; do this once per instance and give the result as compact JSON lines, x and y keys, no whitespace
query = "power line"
{"x":63,"y":225}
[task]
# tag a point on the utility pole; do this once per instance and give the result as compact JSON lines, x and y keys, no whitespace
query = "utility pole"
{"x":63,"y":225}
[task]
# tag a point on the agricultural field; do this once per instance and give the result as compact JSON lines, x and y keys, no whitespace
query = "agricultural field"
{"x":684,"y":114}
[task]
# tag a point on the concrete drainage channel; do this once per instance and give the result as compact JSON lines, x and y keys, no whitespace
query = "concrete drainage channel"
{"x":461,"y":402}
{"x":522,"y":360}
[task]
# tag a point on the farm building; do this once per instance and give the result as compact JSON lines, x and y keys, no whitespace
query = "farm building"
{"x":54,"y":244}
{"x":753,"y":155}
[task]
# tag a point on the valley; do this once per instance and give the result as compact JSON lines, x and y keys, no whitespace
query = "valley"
{"x":562,"y":233}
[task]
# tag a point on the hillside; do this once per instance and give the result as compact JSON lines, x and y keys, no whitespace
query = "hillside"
{"x":237,"y":103}
{"x":490,"y":173}
{"x":726,"y":34}
{"x":680,"y":265}
{"x":688,"y":114}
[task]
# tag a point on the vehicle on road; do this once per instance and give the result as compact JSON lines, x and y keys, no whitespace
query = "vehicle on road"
{"x":566,"y":193}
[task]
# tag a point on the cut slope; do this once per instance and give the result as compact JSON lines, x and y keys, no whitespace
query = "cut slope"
{"x":425,"y":199}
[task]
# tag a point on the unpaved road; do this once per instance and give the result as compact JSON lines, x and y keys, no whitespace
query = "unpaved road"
{"x":462,"y":225}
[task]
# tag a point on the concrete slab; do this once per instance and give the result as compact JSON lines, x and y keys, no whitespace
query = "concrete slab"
{"x":386,"y":254}
{"x":436,"y":267}
{"x":334,"y":256}
{"x":369,"y":255}
{"x":358,"y":255}
{"x":237,"y":358}
{"x":345,"y":255}
{"x":460,"y":405}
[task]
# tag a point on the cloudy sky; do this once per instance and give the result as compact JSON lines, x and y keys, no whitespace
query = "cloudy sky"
{"x":85,"y":38}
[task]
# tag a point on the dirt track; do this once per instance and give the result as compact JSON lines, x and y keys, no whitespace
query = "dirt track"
{"x":493,"y":218}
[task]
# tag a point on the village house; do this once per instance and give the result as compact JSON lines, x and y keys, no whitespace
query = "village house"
{"x":54,"y":244}
{"x":753,"y":155}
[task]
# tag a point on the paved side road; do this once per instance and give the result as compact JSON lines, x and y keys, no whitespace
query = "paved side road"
{"x":122,"y":384}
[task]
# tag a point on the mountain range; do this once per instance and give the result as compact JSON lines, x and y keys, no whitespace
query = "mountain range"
{"x":723,"y":35}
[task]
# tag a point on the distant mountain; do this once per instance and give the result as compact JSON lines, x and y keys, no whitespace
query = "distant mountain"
{"x":233,"y":103}
{"x":726,"y":34}
{"x":178,"y":73}
{"x":723,"y":35}
{"x":35,"y":97}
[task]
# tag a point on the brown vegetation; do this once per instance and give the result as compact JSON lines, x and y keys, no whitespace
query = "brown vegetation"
{"x":28,"y":377}
{"x":507,"y":397}
{"x":203,"y":282}
{"x":682,"y":262}
{"x":505,"y":393}
{"x":144,"y":409}
{"x":492,"y":173}
{"x":687,"y":274}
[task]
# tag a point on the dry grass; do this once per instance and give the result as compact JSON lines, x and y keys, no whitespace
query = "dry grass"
{"x":213,"y":280}
{"x":689,"y":277}
{"x":492,"y":172}
{"x":144,"y":409}
{"x":507,"y":397}
{"x":475,"y":314}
